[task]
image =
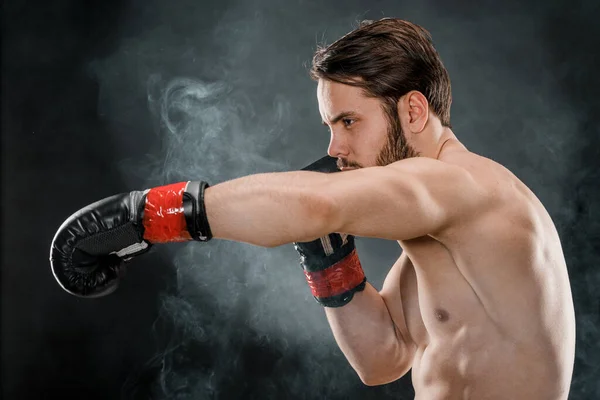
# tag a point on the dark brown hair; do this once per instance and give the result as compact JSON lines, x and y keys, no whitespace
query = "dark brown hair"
{"x":388,"y":58}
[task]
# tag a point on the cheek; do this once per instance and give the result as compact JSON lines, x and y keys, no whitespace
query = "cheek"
{"x":368,"y":144}
{"x":374,"y":137}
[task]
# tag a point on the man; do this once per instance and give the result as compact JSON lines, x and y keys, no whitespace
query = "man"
{"x":478,"y":305}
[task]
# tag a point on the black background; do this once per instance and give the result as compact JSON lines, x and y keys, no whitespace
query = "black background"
{"x":101,"y":97}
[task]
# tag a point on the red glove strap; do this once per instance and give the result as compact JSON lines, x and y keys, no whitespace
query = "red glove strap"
{"x":337,"y":279}
{"x":163,"y":214}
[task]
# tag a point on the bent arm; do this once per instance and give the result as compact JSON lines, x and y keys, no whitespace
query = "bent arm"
{"x":371,"y":342}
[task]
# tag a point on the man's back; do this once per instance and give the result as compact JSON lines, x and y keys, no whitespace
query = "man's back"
{"x":496,"y":316}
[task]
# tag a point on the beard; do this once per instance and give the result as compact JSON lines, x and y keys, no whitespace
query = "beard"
{"x":397,"y":147}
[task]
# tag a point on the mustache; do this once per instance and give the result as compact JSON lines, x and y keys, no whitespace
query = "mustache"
{"x":343,"y":163}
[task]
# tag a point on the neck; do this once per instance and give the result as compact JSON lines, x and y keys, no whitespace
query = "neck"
{"x":431,"y":142}
{"x":444,"y":138}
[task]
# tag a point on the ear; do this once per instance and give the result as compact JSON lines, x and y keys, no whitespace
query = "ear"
{"x":413,"y":109}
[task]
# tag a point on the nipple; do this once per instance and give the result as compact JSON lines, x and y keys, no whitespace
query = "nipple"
{"x":441,"y":315}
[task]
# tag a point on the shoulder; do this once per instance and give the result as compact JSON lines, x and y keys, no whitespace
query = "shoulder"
{"x":441,"y":178}
{"x":403,"y":200}
{"x":425,"y":166}
{"x":462,"y":189}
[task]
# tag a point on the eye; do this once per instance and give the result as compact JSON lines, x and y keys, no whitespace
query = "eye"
{"x":348,"y":122}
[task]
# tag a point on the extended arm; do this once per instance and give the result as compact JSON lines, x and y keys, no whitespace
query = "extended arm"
{"x":404,"y":200}
{"x":407,"y":199}
{"x":271,"y":209}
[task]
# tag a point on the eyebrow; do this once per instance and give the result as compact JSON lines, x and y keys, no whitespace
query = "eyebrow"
{"x":340,"y":116}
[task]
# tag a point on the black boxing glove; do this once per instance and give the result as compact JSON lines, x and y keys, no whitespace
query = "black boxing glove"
{"x":90,"y":247}
{"x":330,"y":263}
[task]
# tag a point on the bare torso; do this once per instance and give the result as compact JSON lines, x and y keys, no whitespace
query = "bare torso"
{"x":488,"y":303}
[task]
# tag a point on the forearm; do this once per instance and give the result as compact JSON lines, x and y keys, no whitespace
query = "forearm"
{"x":367,"y":336}
{"x":270,"y":209}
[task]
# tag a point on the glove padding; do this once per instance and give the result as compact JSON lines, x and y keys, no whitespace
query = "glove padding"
{"x":330,"y":263}
{"x":88,"y":252}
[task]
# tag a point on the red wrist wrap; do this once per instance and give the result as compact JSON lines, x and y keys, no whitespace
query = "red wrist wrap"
{"x":337,"y":279}
{"x":164,"y":220}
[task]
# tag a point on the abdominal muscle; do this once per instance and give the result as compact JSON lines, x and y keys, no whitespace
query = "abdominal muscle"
{"x":473,"y":363}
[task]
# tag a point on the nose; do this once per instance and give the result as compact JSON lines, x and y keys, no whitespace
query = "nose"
{"x":338,"y":147}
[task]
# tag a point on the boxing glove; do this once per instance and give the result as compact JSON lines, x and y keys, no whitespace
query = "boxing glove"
{"x":330,"y":263}
{"x":89,"y":249}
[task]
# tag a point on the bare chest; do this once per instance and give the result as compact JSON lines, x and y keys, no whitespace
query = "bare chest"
{"x":437,"y":298}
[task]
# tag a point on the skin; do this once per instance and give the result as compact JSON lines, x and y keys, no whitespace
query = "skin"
{"x":479,"y":303}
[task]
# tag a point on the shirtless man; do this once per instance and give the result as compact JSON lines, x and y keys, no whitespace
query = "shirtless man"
{"x":478,"y":305}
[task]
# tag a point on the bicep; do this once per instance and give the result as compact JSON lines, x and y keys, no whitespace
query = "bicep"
{"x":400,"y":276}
